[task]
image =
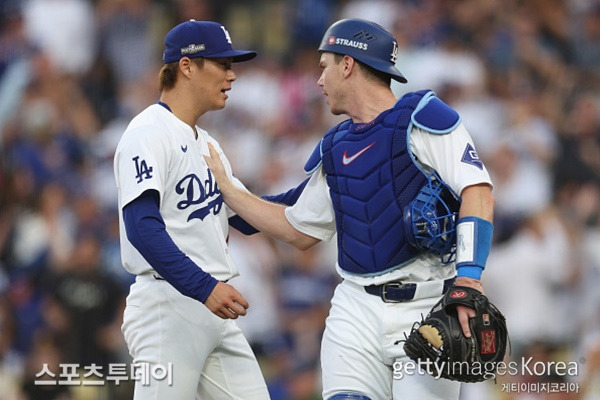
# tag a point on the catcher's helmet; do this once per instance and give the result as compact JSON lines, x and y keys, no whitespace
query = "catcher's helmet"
{"x":430,"y":219}
{"x":366,"y":42}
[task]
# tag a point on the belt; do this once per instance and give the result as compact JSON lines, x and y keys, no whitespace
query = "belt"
{"x":397,"y":292}
{"x":157,"y":277}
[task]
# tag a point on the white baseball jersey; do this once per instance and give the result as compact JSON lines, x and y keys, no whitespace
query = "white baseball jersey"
{"x":159,"y":151}
{"x":313,"y":213}
{"x":161,"y":326}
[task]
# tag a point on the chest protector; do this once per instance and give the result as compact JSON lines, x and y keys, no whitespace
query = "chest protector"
{"x":372,"y":177}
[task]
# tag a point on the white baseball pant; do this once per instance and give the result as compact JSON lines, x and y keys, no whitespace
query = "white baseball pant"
{"x":210,"y":357}
{"x":360,"y":346}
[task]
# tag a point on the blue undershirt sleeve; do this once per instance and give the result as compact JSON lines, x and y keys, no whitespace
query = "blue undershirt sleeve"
{"x":288,"y":198}
{"x":147,"y":232}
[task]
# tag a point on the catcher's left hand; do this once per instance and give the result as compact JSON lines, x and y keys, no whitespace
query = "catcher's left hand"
{"x":439,"y":338}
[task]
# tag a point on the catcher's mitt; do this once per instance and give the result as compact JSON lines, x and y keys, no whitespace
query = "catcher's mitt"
{"x":438,"y":343}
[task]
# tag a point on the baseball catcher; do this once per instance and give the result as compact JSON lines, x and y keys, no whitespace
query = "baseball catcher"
{"x":438,"y":340}
{"x":378,"y":182}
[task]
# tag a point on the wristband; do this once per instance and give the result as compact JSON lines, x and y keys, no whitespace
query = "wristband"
{"x":473,"y":243}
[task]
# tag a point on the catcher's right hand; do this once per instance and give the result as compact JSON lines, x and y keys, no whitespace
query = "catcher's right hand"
{"x":439,"y":338}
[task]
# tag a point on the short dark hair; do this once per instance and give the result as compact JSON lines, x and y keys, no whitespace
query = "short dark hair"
{"x":167,"y":78}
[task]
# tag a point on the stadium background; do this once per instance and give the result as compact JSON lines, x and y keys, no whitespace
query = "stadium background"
{"x":525,"y":76}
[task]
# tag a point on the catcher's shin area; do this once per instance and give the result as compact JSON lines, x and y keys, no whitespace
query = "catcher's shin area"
{"x":438,"y":344}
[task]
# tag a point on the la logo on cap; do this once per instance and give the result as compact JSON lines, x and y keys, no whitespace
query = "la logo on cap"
{"x":394,"y":55}
{"x":226,"y":34}
{"x":207,"y":39}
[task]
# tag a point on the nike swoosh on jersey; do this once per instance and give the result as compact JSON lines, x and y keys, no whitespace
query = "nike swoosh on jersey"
{"x":347,"y":160}
{"x":184,"y":149}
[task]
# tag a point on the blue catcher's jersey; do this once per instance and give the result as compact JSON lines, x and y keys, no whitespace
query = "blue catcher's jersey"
{"x":371,"y":177}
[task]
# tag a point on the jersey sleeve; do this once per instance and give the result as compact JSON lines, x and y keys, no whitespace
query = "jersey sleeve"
{"x":452,"y":155}
{"x":141,"y":163}
{"x":313,"y":213}
{"x":146,"y":231}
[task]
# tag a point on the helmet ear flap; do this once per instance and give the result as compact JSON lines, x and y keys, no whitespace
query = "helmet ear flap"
{"x":430,"y":220}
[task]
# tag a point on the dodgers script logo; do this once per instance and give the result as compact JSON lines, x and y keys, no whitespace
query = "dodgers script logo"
{"x":197,"y":191}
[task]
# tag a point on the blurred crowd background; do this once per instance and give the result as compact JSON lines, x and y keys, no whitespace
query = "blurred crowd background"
{"x":525,"y":76}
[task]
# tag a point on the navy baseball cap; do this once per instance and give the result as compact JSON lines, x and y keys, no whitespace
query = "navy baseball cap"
{"x":205,"y":39}
{"x":367,"y":42}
